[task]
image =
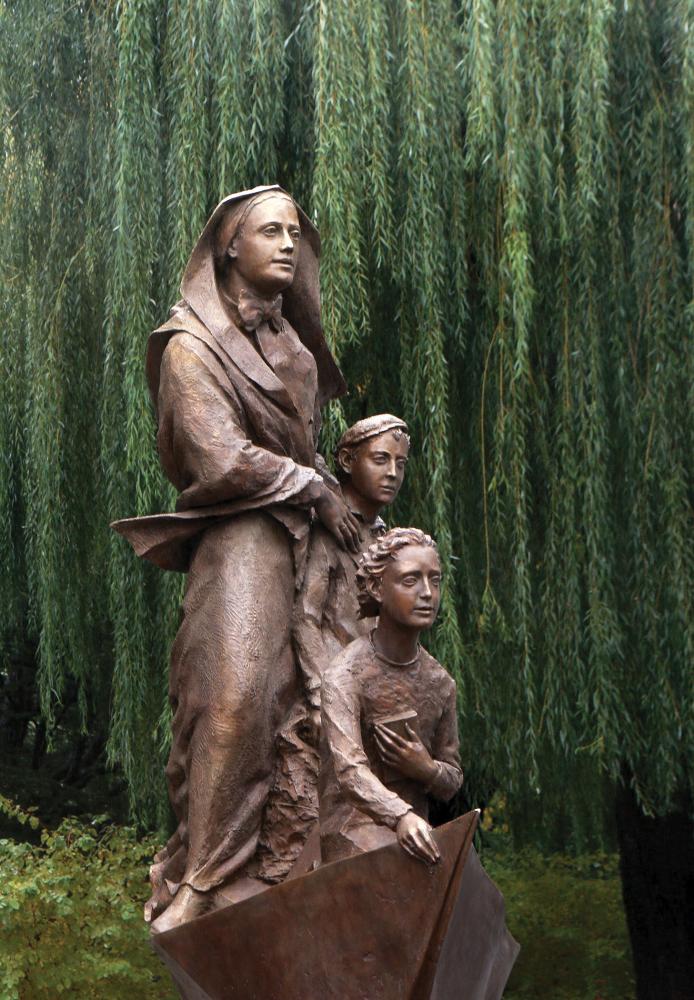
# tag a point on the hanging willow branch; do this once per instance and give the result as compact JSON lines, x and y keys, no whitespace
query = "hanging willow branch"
{"x":505,"y":194}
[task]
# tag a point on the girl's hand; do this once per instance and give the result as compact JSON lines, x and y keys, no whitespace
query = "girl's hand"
{"x":410,"y":757}
{"x":414,"y":836}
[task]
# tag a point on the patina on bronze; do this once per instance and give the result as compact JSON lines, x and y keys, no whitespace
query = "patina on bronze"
{"x":423,"y":923}
{"x":370,"y":459}
{"x":379,"y":925}
{"x":238,"y":375}
{"x":238,"y":390}
{"x":390,"y":732}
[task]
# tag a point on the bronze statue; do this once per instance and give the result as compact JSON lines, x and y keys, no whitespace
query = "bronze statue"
{"x":238,"y":375}
{"x":371,"y":921}
{"x":370,"y":459}
{"x":390,"y":735}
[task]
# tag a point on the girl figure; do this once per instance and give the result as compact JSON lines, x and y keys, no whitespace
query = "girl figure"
{"x":388,"y":711}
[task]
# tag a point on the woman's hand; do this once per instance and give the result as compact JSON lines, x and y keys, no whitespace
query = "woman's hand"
{"x":414,"y":836}
{"x":338,"y":519}
{"x":410,"y":757}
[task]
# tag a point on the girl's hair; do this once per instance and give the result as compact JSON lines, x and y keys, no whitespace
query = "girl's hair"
{"x":373,"y":562}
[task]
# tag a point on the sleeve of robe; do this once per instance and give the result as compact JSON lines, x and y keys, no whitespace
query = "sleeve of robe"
{"x":327,"y":476}
{"x":340,"y":720}
{"x":445,"y":751}
{"x":202,"y":443}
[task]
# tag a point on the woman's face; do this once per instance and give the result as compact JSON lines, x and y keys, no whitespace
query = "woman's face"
{"x":264,"y":251}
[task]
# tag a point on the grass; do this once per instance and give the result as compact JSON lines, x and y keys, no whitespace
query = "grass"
{"x":567,"y":914}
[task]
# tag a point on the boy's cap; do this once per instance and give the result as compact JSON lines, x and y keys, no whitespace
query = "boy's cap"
{"x":370,"y":427}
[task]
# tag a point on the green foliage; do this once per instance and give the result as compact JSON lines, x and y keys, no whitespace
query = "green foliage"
{"x":15,"y":812}
{"x":567,"y":915}
{"x":71,"y":916}
{"x":505,"y":195}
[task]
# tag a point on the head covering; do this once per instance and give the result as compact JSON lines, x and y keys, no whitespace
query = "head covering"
{"x":301,"y":301}
{"x":370,"y":427}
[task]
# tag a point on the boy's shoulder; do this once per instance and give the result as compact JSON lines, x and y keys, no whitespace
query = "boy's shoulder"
{"x":322,"y":539}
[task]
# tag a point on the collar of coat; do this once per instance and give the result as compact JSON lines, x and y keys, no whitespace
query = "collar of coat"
{"x":376,"y":527}
{"x":210,"y":323}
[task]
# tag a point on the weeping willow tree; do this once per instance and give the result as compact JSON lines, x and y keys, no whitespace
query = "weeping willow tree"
{"x":505,"y":193}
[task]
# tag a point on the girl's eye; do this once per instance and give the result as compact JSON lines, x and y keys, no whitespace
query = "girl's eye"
{"x":410,"y":581}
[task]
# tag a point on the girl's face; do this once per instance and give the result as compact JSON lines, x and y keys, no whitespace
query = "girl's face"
{"x":410,"y":588}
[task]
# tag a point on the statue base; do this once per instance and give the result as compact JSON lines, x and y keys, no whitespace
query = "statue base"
{"x":381,"y":926}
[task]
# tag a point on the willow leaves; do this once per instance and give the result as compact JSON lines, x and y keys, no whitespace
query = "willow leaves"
{"x":505,"y":196}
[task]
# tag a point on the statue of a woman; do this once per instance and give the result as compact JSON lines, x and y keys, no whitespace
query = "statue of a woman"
{"x":237,"y":375}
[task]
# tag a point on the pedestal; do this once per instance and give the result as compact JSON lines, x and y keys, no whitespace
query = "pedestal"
{"x":381,"y":926}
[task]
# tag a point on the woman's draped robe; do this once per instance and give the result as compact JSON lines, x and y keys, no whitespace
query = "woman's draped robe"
{"x":238,"y":419}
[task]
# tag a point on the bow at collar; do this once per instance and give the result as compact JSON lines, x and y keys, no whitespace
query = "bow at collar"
{"x":253,"y":311}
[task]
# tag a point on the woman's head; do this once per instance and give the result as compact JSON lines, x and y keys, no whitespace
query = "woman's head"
{"x":400,"y":575}
{"x":205,"y":289}
{"x":257,"y":244}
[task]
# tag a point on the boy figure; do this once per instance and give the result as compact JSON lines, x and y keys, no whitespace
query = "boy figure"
{"x":389,"y":726}
{"x":370,"y":457}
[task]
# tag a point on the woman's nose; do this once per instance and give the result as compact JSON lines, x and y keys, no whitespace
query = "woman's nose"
{"x":287,"y":241}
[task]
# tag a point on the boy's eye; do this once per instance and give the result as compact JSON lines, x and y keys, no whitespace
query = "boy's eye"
{"x":409,"y":581}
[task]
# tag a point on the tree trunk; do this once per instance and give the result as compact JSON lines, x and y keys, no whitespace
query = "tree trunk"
{"x":17,"y":695}
{"x":657,"y":868}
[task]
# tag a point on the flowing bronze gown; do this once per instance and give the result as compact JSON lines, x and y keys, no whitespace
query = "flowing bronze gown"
{"x":238,"y":416}
{"x":233,"y":675}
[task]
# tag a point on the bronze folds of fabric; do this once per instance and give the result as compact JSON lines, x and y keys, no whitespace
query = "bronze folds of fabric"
{"x":233,"y":685}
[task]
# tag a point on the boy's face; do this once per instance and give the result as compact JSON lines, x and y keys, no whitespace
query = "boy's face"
{"x":376,"y":467}
{"x":410,"y":588}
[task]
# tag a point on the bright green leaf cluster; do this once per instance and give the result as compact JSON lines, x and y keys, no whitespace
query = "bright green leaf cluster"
{"x":71,"y":917}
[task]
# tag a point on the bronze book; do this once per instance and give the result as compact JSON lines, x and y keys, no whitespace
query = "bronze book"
{"x":397,"y":723}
